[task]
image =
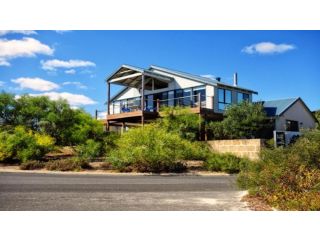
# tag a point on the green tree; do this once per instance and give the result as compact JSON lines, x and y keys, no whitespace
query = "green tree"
{"x":181,"y":121}
{"x":245,"y":120}
{"x":7,"y":108}
{"x":317,"y":115}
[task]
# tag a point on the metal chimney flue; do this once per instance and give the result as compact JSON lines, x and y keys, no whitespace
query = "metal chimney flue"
{"x":218,"y":79}
{"x":235,"y":79}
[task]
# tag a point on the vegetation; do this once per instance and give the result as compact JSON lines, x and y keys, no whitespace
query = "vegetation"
{"x":20,"y":144}
{"x":181,"y":121}
{"x":89,"y":150}
{"x":150,"y":149}
{"x":317,"y":115}
{"x":287,"y":178}
{"x":70,"y":164}
{"x":55,"y":118}
{"x":31,"y":165}
{"x":224,"y":162}
{"x":245,"y":120}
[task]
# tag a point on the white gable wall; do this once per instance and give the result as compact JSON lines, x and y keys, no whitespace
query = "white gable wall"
{"x":297,"y":112}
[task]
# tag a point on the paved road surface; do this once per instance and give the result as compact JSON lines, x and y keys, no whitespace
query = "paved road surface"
{"x":36,"y":191}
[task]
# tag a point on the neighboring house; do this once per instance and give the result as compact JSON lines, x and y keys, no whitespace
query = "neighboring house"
{"x":289,"y":114}
{"x":147,"y":90}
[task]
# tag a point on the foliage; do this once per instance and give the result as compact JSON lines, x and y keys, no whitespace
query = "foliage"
{"x":89,"y":150}
{"x":31,"y":165}
{"x":109,"y":142}
{"x":23,"y":145}
{"x":149,"y":149}
{"x":223,"y":162}
{"x":245,"y":120}
{"x":317,"y":115}
{"x":181,"y":121}
{"x":70,"y":164}
{"x":287,"y":178}
{"x":55,"y":118}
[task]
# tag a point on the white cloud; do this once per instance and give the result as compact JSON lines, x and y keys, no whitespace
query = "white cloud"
{"x":73,"y":99}
{"x":208,"y":76}
{"x":77,"y":84}
{"x":267,"y":48}
{"x":55,"y":63}
{"x":62,"y":31}
{"x":24,"y":32}
{"x":102,"y":115}
{"x":26,"y":47}
{"x":71,"y":71}
{"x":36,"y":84}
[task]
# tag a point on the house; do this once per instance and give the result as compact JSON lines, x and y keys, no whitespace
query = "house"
{"x":145,"y":91}
{"x":289,"y":114}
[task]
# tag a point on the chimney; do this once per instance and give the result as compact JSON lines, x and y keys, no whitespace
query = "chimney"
{"x":235,"y":79}
{"x":218,"y":79}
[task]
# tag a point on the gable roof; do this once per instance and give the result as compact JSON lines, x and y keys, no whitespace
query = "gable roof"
{"x":123,"y":70}
{"x":197,"y":78}
{"x":277,"y":107}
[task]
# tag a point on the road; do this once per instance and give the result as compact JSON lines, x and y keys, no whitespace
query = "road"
{"x":43,"y":191}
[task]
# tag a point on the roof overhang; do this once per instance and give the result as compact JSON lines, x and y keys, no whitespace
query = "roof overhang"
{"x":129,"y":76}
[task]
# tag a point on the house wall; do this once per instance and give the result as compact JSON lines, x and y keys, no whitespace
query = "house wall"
{"x":249,"y":148}
{"x":297,"y":112}
{"x":234,"y":97}
{"x":209,"y":97}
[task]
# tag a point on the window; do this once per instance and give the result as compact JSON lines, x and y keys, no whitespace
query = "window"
{"x":224,"y":98}
{"x":242,"y":97}
{"x":202,"y":92}
{"x":292,"y":126}
{"x":179,"y":97}
{"x":171,"y":98}
{"x":186,"y":97}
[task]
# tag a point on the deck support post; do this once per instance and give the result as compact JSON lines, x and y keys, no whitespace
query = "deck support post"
{"x":108,"y":103}
{"x":123,"y":127}
{"x":142,"y":99}
{"x":158,"y":105}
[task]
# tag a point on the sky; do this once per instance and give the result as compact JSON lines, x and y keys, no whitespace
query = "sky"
{"x":74,"y":64}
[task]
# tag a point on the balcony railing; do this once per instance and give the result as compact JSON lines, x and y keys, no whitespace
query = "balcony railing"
{"x":192,"y":101}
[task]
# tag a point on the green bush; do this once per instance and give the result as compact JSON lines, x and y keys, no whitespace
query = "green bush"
{"x":224,"y":162}
{"x":287,"y":178}
{"x":31,"y":165}
{"x":23,"y":145}
{"x":90,"y":150}
{"x":245,"y":120}
{"x":149,"y":149}
{"x":70,"y":164}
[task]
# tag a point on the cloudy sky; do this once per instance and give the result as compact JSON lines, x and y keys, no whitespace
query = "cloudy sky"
{"x":74,"y":64}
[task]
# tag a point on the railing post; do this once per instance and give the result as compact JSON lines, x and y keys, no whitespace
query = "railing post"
{"x":108,"y":110}
{"x":142,"y":99}
{"x":199,"y":100}
{"x":158,"y":105}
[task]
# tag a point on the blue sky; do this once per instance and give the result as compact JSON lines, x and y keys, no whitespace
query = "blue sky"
{"x":74,"y":64}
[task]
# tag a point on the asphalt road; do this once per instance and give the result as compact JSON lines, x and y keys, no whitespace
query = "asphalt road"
{"x":37,"y":191}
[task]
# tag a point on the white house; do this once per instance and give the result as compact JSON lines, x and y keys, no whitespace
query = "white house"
{"x":290,"y":114}
{"x":147,"y":90}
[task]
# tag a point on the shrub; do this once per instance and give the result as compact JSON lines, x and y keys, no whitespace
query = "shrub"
{"x":149,"y":149}
{"x":245,"y":120}
{"x":22,"y":145}
{"x":287,"y":178}
{"x":90,"y":150}
{"x":70,"y":164}
{"x":223,"y":162}
{"x":31,"y":165}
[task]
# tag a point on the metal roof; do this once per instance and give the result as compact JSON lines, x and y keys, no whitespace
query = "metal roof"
{"x":125,"y":69}
{"x":198,"y":78}
{"x":277,"y":107}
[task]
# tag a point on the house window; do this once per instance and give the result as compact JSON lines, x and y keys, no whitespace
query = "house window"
{"x":242,"y":97}
{"x":292,"y":126}
{"x":171,"y":98}
{"x":224,"y":98}
{"x":202,"y":92}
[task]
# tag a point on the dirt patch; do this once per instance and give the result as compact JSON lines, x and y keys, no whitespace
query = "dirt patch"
{"x":256,"y":203}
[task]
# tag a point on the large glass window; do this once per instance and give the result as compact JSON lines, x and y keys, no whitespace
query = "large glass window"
{"x":186,"y":97}
{"x":202,"y":92}
{"x":242,"y":97}
{"x":171,"y":98}
{"x":224,"y":98}
{"x":179,"y":97}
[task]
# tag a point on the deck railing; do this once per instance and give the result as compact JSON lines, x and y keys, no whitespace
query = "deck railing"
{"x":156,"y":105}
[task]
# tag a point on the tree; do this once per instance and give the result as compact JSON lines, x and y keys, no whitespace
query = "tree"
{"x":181,"y":121}
{"x":317,"y":115}
{"x":7,"y":108}
{"x":245,"y":120}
